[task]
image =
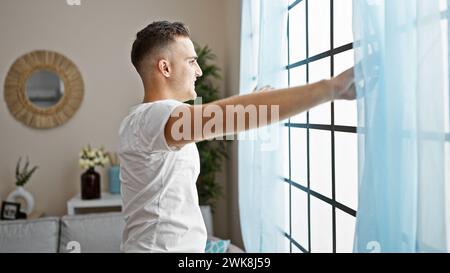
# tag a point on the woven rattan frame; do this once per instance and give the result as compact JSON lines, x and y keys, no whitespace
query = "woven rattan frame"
{"x":15,"y":89}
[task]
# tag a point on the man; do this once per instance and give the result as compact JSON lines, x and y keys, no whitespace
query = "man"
{"x":159,"y":159}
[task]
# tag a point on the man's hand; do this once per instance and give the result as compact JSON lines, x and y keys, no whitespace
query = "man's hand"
{"x":344,"y":86}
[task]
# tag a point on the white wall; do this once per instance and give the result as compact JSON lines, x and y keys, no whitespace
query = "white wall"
{"x":97,"y":37}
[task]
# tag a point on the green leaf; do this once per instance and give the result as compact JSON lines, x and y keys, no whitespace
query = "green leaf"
{"x":17,"y":167}
{"x":26,"y":165}
{"x":23,"y":175}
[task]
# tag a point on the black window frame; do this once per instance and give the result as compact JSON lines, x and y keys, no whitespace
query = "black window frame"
{"x":332,"y":128}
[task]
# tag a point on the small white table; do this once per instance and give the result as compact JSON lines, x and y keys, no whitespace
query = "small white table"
{"x":107,"y":201}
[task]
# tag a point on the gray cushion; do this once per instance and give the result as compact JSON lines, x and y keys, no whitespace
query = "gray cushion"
{"x":39,"y":235}
{"x":92,"y":232}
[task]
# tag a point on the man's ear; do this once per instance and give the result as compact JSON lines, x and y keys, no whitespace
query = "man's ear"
{"x":164,"y":67}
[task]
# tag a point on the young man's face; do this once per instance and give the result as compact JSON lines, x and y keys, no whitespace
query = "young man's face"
{"x":185,"y":69}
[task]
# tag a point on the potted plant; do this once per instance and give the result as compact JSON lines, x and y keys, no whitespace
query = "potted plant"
{"x":23,"y":175}
{"x":212,"y":152}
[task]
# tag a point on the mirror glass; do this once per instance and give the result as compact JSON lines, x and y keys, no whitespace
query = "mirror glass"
{"x":44,"y":88}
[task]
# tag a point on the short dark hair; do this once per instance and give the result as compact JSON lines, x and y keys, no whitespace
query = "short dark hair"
{"x":155,"y":36}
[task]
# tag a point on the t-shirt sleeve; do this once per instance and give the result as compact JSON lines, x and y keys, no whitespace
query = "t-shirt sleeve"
{"x":152,"y":124}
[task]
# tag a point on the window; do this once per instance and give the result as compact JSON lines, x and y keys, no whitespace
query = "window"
{"x":321,"y":175}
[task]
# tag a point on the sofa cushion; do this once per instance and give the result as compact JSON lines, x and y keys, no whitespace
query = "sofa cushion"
{"x":222,"y":245}
{"x":39,"y":235}
{"x":217,"y":246}
{"x":91,"y":232}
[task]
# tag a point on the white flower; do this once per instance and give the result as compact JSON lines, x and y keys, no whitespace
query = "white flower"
{"x":105,"y":161}
{"x":91,"y":157}
{"x":83,"y":163}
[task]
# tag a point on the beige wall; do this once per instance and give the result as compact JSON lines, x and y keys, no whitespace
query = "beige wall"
{"x":97,"y":36}
{"x":232,"y":67}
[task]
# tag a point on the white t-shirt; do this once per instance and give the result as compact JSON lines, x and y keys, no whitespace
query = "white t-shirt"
{"x":160,"y":200}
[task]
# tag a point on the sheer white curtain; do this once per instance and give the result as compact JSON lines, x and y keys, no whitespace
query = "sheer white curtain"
{"x":263,"y":61}
{"x":401,"y":126}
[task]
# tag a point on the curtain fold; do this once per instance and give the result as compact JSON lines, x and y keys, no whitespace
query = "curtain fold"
{"x":263,"y":60}
{"x":401,"y":132}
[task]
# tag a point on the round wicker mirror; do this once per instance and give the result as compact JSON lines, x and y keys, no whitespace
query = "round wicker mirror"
{"x":28,"y":110}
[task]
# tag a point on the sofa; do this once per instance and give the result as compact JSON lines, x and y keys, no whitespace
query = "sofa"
{"x":99,"y":232}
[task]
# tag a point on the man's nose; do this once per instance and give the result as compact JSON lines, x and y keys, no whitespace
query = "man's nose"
{"x":199,"y":72}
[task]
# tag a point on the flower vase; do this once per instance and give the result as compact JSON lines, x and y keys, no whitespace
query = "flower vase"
{"x":21,"y":194}
{"x":90,"y":184}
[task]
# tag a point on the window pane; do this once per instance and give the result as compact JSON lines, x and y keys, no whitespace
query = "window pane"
{"x":299,"y":119}
{"x":345,"y":231}
{"x":285,"y":152}
{"x":297,"y":75}
{"x":342,"y":24}
{"x":320,"y":161}
{"x":343,"y":61}
{"x":345,"y":112}
{"x":299,"y":156}
{"x":286,"y":207}
{"x":297,"y":78}
{"x":320,"y":70}
{"x":300,"y":216}
{"x":318,"y":26}
{"x":321,"y":226}
{"x":346,"y":168}
{"x":297,"y":33}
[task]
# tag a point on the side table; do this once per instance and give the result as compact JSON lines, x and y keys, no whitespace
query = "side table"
{"x":107,"y":202}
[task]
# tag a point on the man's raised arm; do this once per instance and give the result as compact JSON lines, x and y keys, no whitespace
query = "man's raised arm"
{"x":191,"y":123}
